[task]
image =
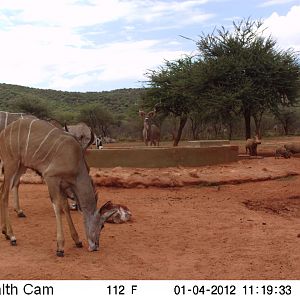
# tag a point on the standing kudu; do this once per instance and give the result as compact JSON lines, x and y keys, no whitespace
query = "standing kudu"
{"x":59,"y":158}
{"x":151,"y":132}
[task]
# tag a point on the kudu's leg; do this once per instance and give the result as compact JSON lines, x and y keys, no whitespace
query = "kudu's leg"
{"x":17,"y":208}
{"x":1,"y":167}
{"x":55,"y":195}
{"x":73,"y":231}
{"x":15,"y":190}
{"x":5,"y":222}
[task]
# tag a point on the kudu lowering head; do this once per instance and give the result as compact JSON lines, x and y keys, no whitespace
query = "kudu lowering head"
{"x":97,"y":224}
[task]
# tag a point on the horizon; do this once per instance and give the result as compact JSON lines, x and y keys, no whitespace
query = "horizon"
{"x":101,"y":46}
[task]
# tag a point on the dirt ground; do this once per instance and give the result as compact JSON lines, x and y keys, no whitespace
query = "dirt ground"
{"x":244,"y":226}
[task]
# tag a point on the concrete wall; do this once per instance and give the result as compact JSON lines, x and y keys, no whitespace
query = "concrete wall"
{"x":161,"y":157}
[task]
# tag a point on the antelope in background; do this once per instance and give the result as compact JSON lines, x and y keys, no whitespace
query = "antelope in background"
{"x":151,"y":133}
{"x":59,"y":158}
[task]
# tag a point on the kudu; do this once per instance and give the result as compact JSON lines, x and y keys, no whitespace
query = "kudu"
{"x":82,"y":132}
{"x":151,"y":132}
{"x":59,"y":158}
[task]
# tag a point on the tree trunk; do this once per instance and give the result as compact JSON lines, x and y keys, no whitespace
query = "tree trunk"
{"x":286,"y":128}
{"x":182,"y":123}
{"x":257,"y":120}
{"x":230,"y":131}
{"x":247,"y":117}
{"x":195,"y":129}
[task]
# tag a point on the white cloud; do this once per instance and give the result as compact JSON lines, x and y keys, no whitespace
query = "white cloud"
{"x":67,"y":13}
{"x":70,"y":68}
{"x":276,"y":2}
{"x":175,"y":12}
{"x":59,"y":43}
{"x":114,"y":62}
{"x":285,"y":28}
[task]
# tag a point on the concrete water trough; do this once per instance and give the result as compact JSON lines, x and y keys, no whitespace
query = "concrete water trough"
{"x":159,"y":157}
{"x":209,"y":143}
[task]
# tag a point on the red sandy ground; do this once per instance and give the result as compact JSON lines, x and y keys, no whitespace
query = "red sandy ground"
{"x":190,"y":231}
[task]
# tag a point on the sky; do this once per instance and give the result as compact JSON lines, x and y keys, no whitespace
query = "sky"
{"x":101,"y":45}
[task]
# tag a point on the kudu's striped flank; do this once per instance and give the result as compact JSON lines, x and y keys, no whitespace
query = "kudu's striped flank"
{"x":5,"y":119}
{"x":59,"y":158}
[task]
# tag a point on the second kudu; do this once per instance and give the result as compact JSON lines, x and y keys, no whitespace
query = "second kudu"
{"x":151,"y":132}
{"x":59,"y":158}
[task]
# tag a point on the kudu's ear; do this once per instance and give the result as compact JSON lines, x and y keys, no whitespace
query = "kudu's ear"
{"x":151,"y":114}
{"x":105,"y":207}
{"x":142,"y":113}
{"x":104,"y":216}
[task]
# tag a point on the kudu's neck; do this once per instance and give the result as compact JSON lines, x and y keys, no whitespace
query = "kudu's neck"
{"x":84,"y":191}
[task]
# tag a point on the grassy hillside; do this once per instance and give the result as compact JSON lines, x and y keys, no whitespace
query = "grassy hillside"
{"x":117,"y":101}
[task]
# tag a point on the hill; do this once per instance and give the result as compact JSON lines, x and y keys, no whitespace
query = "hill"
{"x":116,"y":101}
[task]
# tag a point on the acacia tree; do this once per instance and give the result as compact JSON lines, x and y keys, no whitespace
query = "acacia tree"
{"x":97,"y":118}
{"x":250,"y":69}
{"x":170,"y":91}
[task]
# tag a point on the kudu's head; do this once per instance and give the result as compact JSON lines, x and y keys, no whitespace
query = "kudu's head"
{"x":94,"y":218}
{"x":96,"y":225}
{"x":147,"y":117}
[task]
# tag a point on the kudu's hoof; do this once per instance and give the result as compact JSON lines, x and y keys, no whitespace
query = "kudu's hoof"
{"x":13,"y":242}
{"x":79,"y":245}
{"x":21,"y":215}
{"x":60,"y":253}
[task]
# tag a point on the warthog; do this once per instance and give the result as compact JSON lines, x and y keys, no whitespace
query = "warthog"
{"x":251,"y":145}
{"x":282,"y":152}
{"x":293,"y":147}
